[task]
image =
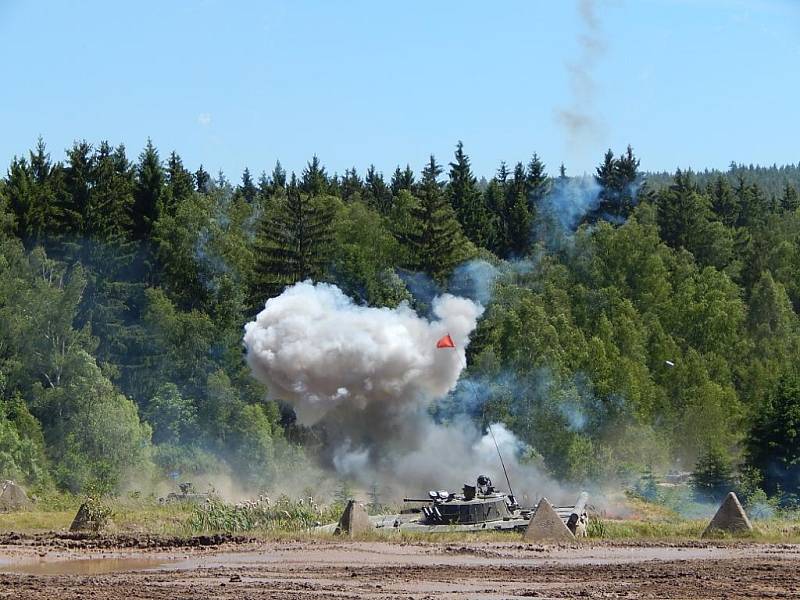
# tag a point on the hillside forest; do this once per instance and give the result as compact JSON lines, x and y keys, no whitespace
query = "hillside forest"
{"x":637,"y":323}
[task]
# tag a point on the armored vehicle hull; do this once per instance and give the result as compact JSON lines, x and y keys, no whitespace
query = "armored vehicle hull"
{"x":478,"y":508}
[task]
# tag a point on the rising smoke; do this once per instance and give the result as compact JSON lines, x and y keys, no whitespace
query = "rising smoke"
{"x":579,"y":118}
{"x":367,"y":377}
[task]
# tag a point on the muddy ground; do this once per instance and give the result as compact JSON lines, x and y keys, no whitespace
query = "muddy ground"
{"x":66,"y":567}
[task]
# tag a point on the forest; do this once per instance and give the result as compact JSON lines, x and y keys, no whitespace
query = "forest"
{"x":635,"y":323}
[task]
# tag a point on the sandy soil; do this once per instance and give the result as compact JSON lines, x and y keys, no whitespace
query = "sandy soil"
{"x":221,"y":568}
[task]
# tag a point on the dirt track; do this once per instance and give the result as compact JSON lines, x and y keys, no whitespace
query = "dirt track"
{"x":48,"y":568}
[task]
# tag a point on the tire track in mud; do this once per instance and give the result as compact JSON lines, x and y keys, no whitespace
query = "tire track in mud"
{"x":379,"y":570}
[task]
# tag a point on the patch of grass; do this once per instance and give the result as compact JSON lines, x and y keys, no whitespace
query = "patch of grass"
{"x":285,"y":515}
{"x":36,"y":521}
{"x":629,"y":529}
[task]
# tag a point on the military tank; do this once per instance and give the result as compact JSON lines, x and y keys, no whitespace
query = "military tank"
{"x":479,"y":507}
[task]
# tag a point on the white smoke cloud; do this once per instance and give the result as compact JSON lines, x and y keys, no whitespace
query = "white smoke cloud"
{"x":366,"y":377}
{"x":316,"y":349}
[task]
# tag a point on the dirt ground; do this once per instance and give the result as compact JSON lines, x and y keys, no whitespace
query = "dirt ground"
{"x":211,"y":568}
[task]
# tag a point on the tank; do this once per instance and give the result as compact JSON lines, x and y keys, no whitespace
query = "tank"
{"x":479,"y":507}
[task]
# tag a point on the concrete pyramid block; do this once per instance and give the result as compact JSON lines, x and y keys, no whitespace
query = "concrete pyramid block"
{"x":354,"y":520}
{"x":13,"y":497}
{"x":546,"y":525}
{"x":729,"y":518}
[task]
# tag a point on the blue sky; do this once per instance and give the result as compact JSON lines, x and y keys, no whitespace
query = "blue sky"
{"x":227,"y":84}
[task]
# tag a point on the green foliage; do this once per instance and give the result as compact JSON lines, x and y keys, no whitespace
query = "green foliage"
{"x":774,"y":441}
{"x":713,"y":475}
{"x":292,"y":241}
{"x":664,"y":327}
{"x":436,"y":241}
{"x":284,"y":515}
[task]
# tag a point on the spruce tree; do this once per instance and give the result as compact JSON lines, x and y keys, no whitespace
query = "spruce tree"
{"x":49,"y":210}
{"x":180,"y":184}
{"x":78,"y":184}
{"x":247,"y":189}
{"x":264,"y":187}
{"x":435,"y":242}
{"x":376,"y":192}
{"x":753,"y":206}
{"x":149,"y":192}
{"x":537,"y":183}
{"x":314,"y":179}
{"x":502,"y":174}
{"x":617,"y":178}
{"x":518,"y":218}
{"x":352,"y":185}
{"x":402,"y":180}
{"x":495,"y":202}
{"x":467,"y":200}
{"x":278,"y":178}
{"x":202,"y":180}
{"x":291,"y":244}
{"x":790,"y":201}
{"x":111,"y":297}
{"x":723,"y":201}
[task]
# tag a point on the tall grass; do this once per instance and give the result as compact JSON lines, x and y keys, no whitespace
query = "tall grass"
{"x":285,"y":515}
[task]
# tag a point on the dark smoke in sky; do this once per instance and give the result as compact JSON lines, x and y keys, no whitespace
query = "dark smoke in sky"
{"x":579,"y":119}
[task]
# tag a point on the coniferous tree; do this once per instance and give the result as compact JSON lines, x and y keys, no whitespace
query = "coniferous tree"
{"x":790,"y":201}
{"x":376,"y":192}
{"x":202,"y":180}
{"x":278,"y":179}
{"x":519,"y":218}
{"x":314,"y":179}
{"x":291,"y":244}
{"x":537,"y":183}
{"x":617,"y":178}
{"x":774,"y":440}
{"x":402,"y":180}
{"x":247,"y":188}
{"x":467,"y":200}
{"x":149,"y":192}
{"x":109,"y":217}
{"x":723,"y":201}
{"x":495,"y":202}
{"x":436,"y":239}
{"x":352,"y":185}
{"x":752,"y":204}
{"x":78,"y":184}
{"x":221,"y":182}
{"x":502,"y":174}
{"x":180,"y":184}
{"x":48,"y":203}
{"x":264,"y":187}
{"x":109,"y":254}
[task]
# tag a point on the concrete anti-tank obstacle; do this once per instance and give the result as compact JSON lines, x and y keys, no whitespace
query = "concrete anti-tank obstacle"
{"x":354,"y":520}
{"x":546,"y":525}
{"x":13,"y":497}
{"x":730,"y":518}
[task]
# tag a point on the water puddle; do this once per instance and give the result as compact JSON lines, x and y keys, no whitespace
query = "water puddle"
{"x":84,"y":566}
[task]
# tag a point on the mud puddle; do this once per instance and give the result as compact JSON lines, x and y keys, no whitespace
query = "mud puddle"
{"x":84,"y":566}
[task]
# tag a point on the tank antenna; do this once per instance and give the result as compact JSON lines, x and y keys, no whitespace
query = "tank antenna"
{"x":494,"y":439}
{"x":502,"y":464}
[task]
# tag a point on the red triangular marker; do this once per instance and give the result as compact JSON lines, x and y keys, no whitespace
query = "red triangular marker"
{"x":446,"y":342}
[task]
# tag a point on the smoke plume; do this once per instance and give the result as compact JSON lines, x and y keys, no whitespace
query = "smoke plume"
{"x":578,"y":119}
{"x":366,"y":377}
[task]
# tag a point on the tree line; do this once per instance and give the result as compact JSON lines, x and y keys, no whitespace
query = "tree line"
{"x":636,"y":322}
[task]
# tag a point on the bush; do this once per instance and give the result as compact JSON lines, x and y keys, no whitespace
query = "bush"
{"x":713,"y":475}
